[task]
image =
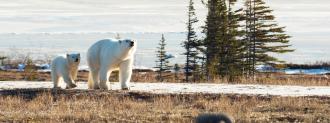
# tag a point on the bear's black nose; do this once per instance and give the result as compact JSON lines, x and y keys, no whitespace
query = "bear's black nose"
{"x":77,"y":60}
{"x":132,"y":43}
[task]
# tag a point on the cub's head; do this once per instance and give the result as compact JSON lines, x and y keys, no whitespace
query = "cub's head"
{"x":73,"y":58}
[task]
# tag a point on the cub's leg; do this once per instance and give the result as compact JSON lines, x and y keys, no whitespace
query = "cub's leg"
{"x":69,"y":81}
{"x":55,"y":79}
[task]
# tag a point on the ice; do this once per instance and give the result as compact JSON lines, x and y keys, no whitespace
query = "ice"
{"x":307,"y":71}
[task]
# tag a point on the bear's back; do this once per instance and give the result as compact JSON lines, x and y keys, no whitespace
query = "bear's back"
{"x":107,"y":42}
{"x":102,"y":43}
{"x":59,"y":58}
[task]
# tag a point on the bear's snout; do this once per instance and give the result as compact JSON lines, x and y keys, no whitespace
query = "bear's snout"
{"x":76,"y":60}
{"x":132,"y":43}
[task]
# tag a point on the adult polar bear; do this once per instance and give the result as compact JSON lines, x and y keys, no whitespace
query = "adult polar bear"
{"x":108,"y":55}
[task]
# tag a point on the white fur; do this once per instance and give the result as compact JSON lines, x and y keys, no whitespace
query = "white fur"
{"x":65,"y":68}
{"x":108,"y":55}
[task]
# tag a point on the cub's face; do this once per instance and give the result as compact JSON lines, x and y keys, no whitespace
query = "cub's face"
{"x":73,"y":58}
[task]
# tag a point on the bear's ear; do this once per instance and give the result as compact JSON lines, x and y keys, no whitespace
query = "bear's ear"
{"x":119,"y":41}
{"x":67,"y":55}
{"x":78,"y":54}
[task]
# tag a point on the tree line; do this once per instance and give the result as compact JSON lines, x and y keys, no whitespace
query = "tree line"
{"x":237,"y":39}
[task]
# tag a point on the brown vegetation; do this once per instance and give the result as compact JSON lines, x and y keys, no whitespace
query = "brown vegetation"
{"x":46,"y":105}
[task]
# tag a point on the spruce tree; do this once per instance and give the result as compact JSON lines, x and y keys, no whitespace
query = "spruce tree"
{"x":263,"y":35}
{"x":210,"y":43}
{"x":191,"y":44}
{"x":162,"y":62}
{"x":235,"y":47}
{"x":224,"y":47}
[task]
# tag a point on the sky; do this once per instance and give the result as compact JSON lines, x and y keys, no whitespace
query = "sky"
{"x":93,"y":15}
{"x":306,"y":21}
{"x":29,"y":16}
{"x":25,"y":16}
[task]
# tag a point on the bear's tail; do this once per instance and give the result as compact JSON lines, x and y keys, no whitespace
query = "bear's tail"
{"x":90,"y":81}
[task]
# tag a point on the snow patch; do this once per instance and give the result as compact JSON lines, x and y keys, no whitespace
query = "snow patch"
{"x":179,"y":88}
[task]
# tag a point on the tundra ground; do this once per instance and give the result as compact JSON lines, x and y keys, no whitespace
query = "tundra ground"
{"x":47,"y":105}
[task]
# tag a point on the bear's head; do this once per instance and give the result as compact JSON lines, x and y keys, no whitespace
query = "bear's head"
{"x":73,"y":58}
{"x":129,"y":45}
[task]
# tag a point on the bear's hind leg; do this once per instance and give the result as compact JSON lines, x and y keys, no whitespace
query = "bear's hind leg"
{"x":104,"y":76}
{"x":95,"y":78}
{"x":125,"y":73}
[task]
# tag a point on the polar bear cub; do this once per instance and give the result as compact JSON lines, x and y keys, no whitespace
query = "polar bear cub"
{"x":65,"y":68}
{"x":108,"y":55}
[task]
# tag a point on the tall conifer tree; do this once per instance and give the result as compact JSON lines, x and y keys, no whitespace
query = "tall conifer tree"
{"x":224,"y":47}
{"x":263,"y":35}
{"x":191,"y":44}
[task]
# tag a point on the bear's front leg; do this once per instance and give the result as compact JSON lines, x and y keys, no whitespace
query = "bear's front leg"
{"x":69,"y":82}
{"x":70,"y":86}
{"x":125,"y":73}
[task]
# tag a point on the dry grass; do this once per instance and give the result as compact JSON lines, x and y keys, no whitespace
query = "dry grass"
{"x":283,"y":79}
{"x":269,"y":79}
{"x":26,"y":76}
{"x":45,"y":105}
